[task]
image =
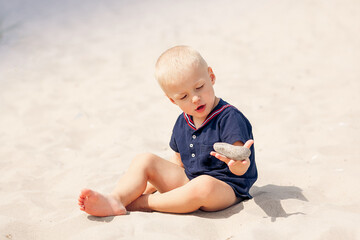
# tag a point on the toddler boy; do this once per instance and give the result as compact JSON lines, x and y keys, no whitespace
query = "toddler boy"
{"x":196,"y":177}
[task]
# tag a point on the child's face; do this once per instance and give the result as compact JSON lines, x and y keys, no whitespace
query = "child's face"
{"x":193,"y":92}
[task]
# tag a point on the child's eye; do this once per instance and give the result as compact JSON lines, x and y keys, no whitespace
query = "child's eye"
{"x":183,"y":97}
{"x":200,"y":87}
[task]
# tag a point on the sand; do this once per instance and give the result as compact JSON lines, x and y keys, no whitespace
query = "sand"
{"x":78,"y":101}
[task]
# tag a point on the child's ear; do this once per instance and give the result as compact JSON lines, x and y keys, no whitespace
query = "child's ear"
{"x":212,"y":75}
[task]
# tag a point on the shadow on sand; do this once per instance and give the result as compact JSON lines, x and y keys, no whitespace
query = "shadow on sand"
{"x":5,"y":29}
{"x":226,"y":213}
{"x":269,"y":197}
{"x":101,"y":219}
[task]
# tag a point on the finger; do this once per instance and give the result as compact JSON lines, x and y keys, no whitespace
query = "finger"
{"x":220,"y":157}
{"x":245,"y":161}
{"x":249,"y":143}
{"x":231,"y":162}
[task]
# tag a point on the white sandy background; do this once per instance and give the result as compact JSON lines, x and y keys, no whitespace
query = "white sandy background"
{"x":78,"y":101}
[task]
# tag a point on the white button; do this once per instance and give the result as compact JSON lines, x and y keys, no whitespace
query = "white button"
{"x":193,"y":136}
{"x":193,"y":155}
{"x":191,"y":145}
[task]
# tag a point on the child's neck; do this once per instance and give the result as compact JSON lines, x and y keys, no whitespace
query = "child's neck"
{"x":198,"y":122}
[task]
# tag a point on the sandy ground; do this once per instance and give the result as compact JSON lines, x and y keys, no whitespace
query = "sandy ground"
{"x":78,"y":101}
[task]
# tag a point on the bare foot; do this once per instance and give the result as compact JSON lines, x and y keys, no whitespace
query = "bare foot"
{"x":99,"y":205}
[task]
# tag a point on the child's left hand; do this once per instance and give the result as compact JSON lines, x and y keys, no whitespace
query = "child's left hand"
{"x":236,"y":167}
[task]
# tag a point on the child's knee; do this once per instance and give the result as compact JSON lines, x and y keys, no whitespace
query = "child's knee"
{"x":204,"y":187}
{"x":144,"y":160}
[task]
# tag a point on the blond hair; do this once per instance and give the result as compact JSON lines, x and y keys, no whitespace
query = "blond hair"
{"x":175,"y":62}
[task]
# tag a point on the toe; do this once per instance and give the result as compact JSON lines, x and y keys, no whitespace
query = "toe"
{"x":86,"y":193}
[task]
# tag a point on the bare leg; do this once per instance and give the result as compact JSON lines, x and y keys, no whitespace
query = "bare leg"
{"x":149,"y":189}
{"x":162,"y":174}
{"x":203,"y":192}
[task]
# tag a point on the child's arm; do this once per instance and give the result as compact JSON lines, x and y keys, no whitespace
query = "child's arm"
{"x":236,"y":167}
{"x":175,"y":159}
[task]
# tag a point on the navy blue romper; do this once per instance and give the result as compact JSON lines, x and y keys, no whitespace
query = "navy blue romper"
{"x":225,"y":123}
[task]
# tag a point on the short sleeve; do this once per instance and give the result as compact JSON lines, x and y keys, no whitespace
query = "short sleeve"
{"x":234,"y":127}
{"x":175,"y":134}
{"x":173,"y":144}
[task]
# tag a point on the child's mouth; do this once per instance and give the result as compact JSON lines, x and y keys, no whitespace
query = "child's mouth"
{"x":200,"y":108}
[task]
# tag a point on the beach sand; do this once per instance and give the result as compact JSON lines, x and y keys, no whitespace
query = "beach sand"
{"x":78,"y":101}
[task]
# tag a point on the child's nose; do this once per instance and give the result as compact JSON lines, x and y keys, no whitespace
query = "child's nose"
{"x":195,"y":99}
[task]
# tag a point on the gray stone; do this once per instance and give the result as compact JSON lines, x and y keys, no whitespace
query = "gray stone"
{"x":231,"y":151}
